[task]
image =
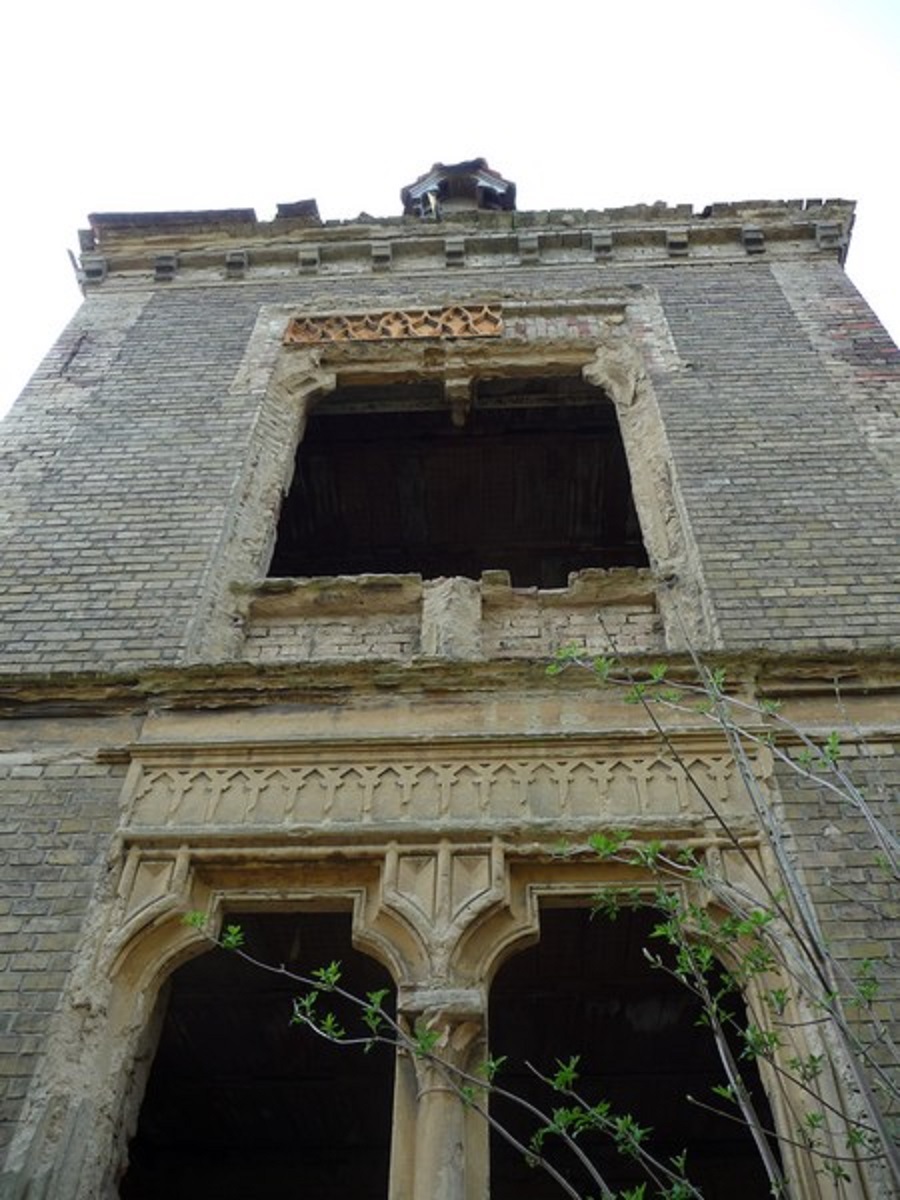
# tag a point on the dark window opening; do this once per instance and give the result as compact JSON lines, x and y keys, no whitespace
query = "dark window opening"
{"x":535,"y":482}
{"x":586,"y":988}
{"x":240,"y":1103}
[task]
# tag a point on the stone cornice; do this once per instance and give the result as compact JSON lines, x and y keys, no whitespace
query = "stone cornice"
{"x":231,"y":246}
{"x":214,"y":686}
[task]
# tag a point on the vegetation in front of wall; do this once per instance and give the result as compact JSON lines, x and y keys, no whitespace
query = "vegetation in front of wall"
{"x":763,"y":939}
{"x":747,"y":945}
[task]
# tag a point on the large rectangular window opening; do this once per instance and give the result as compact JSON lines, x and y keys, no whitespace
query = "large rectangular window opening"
{"x":529,"y":475}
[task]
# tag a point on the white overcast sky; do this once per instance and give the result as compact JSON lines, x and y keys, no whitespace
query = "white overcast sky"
{"x":125,"y":106}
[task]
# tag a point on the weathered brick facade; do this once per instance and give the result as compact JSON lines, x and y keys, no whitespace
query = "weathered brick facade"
{"x":170,"y":712}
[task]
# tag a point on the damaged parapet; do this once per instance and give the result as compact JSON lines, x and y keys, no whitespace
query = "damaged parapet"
{"x":482,"y":229}
{"x":403,"y":617}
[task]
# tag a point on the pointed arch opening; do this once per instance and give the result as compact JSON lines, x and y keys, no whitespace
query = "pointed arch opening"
{"x":241,"y":1103}
{"x":586,"y":988}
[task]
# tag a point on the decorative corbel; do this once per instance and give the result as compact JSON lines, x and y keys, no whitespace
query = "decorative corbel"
{"x":459,"y":395}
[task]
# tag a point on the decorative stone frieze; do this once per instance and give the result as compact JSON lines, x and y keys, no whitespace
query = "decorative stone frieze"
{"x":456,"y":321}
{"x":552,"y":784}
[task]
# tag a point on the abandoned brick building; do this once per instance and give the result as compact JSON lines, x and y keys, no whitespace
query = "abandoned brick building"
{"x":292,"y":519}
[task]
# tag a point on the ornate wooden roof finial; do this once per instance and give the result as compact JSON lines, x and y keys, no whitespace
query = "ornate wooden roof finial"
{"x":459,"y":187}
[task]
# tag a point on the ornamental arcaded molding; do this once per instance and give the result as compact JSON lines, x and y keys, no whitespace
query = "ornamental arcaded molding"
{"x":346,"y":796}
{"x":456,"y":321}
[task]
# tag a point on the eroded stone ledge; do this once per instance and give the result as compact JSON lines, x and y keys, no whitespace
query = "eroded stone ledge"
{"x":399,"y":617}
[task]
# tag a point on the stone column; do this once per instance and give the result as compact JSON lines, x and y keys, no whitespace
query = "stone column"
{"x":450,"y":1141}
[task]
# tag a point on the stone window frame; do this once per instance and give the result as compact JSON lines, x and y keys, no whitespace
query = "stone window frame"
{"x":291,"y":380}
{"x":455,"y":364}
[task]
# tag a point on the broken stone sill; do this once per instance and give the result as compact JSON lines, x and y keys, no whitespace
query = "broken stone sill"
{"x":336,"y":595}
{"x":595,"y":587}
{"x":348,"y":595}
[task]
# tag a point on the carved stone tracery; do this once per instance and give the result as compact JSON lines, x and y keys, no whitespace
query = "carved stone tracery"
{"x":454,"y":321}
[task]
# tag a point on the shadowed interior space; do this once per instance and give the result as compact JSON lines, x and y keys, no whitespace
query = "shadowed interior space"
{"x":241,"y":1103}
{"x":586,"y":988}
{"x":528,"y":475}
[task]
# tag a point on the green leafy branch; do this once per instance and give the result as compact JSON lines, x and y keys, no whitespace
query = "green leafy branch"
{"x":821,"y":977}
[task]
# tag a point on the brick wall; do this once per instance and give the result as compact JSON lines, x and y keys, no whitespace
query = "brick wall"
{"x":120,"y":466}
{"x":858,"y":353}
{"x":793,"y":514}
{"x":58,"y":806}
{"x":854,"y":894}
{"x":309,"y":639}
{"x":529,"y":628}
